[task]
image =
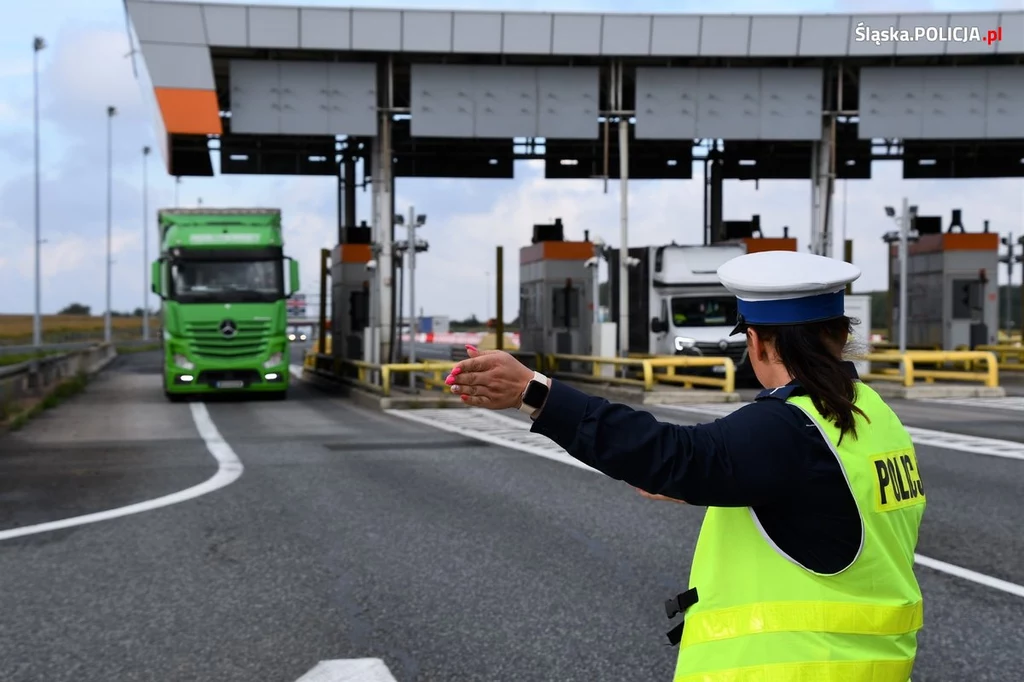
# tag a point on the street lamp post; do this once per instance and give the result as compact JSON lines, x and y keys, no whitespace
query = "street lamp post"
{"x":904,"y":231}
{"x":37,"y":324}
{"x":902,"y":237}
{"x":411,"y":247}
{"x":145,"y":244}
{"x":111,"y":112}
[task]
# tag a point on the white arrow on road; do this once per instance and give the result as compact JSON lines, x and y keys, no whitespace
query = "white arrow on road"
{"x":349,"y":670}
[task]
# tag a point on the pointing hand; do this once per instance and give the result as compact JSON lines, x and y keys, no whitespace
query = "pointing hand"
{"x":491,"y":379}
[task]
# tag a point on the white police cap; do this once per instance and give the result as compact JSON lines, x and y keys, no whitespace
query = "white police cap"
{"x":787,"y":287}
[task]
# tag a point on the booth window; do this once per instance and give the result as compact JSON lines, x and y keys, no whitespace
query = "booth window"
{"x":565,"y":306}
{"x":967,"y":298}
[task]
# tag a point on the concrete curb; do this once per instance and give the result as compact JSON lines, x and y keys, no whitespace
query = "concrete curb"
{"x":90,"y":373}
{"x":932,"y":391}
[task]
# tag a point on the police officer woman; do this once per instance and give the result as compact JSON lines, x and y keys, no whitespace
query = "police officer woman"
{"x":804,"y":565}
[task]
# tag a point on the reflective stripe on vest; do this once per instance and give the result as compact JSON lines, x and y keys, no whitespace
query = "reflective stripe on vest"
{"x":762,"y":617}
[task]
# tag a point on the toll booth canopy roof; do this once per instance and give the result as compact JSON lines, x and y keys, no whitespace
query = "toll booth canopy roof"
{"x":275,"y":89}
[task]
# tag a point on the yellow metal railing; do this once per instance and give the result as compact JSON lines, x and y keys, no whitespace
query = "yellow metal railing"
{"x":647,"y":368}
{"x":379,"y":378}
{"x":1010,"y":357}
{"x":908,"y":368}
{"x":368,"y":374}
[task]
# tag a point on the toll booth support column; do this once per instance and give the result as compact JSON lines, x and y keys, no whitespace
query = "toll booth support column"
{"x":499,"y":304}
{"x":823,"y":178}
{"x":325,"y":257}
{"x":381,"y":306}
{"x":623,"y":213}
{"x":821,"y":194}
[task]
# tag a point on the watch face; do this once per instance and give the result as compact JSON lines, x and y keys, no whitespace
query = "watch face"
{"x":535,"y":394}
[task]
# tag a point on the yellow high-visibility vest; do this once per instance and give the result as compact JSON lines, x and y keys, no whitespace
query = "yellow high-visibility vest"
{"x":761,"y":617}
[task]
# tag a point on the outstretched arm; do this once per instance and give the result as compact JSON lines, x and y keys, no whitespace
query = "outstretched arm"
{"x":740,"y":460}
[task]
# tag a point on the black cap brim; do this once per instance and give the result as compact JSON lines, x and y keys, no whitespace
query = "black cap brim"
{"x":740,"y":328}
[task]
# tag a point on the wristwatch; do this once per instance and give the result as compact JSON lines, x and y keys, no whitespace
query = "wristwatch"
{"x":535,"y":394}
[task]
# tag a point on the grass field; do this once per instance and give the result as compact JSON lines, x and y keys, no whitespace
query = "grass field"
{"x":17,"y":329}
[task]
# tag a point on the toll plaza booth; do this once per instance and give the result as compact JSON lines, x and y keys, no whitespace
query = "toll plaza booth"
{"x":556,"y":293}
{"x":952,"y":285}
{"x":748,"y":233}
{"x":350,"y":294}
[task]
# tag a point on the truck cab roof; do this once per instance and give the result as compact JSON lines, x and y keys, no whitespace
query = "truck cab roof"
{"x":676,"y":265}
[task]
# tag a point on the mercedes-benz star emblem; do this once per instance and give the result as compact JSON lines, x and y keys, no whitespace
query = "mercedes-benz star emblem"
{"x":228,"y":328}
{"x":723,"y":344}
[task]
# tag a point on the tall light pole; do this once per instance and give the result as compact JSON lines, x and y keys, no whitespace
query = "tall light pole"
{"x":902,"y":237}
{"x":411,"y":247}
{"x":111,"y":112}
{"x":904,"y":232}
{"x":145,"y":244}
{"x":37,"y":323}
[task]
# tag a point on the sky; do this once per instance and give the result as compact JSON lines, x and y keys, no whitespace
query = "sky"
{"x":86,"y":68}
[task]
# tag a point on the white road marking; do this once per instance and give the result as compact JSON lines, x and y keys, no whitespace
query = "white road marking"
{"x":295,"y":371}
{"x":1015,"y":403}
{"x":976,"y":445}
{"x":973,"y":576}
{"x":349,"y":670}
{"x":511,"y":433}
{"x":492,"y":428}
{"x":229,"y":468}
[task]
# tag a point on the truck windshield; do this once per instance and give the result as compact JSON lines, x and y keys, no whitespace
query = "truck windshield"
{"x":717,"y":311}
{"x":238,"y":281}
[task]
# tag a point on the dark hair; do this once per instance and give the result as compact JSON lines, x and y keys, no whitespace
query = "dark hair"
{"x":813,"y":355}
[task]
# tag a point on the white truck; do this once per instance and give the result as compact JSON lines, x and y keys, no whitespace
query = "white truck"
{"x":678,"y":306}
{"x":691,"y":313}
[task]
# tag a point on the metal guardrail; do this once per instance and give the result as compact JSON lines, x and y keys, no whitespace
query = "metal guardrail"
{"x":73,"y":346}
{"x":378,"y":378}
{"x":908,"y":370}
{"x":35,"y":378}
{"x":648,"y":370}
{"x":1010,"y":357}
{"x":652,"y":370}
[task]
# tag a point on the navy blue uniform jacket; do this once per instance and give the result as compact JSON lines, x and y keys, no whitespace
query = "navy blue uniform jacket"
{"x":766,"y":455}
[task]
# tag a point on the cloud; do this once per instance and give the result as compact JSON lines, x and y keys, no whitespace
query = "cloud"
{"x":84,"y":70}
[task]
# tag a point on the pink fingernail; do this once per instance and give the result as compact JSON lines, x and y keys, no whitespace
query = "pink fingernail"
{"x":470,"y":347}
{"x":456,"y":371}
{"x":451,"y":379}
{"x":464,"y":397}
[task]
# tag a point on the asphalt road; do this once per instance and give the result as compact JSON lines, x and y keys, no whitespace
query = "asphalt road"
{"x":355,"y":534}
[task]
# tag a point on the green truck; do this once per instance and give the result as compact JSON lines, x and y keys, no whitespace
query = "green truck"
{"x":221,"y":280}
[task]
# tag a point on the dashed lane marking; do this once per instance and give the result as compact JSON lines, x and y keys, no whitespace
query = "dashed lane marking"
{"x":229,"y":468}
{"x":504,"y":431}
{"x":349,"y":670}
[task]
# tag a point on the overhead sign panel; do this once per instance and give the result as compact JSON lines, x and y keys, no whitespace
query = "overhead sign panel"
{"x":504,"y":101}
{"x":303,"y":98}
{"x":727,"y":103}
{"x":942,"y":103}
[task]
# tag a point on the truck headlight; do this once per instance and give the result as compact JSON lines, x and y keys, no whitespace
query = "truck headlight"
{"x":183,"y":362}
{"x":291,"y":337}
{"x":273,"y":361}
{"x":684,"y":343}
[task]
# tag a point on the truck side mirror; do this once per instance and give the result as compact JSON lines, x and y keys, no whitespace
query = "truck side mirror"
{"x":293,"y":274}
{"x":658,"y":326}
{"x":155,"y":278}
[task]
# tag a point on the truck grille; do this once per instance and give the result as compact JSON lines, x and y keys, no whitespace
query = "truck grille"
{"x":737,"y":352}
{"x":207,"y":341}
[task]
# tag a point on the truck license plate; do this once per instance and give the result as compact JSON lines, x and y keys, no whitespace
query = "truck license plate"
{"x":231,"y":383}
